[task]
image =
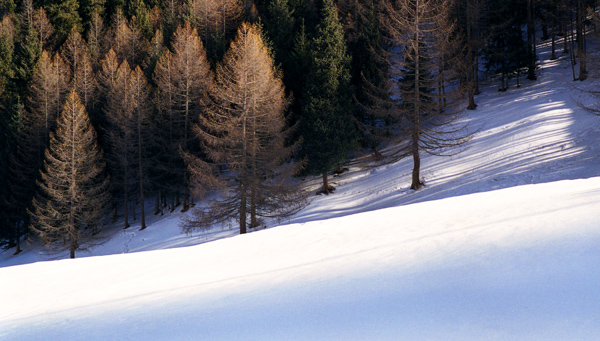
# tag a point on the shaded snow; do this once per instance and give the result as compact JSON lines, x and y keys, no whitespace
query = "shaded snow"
{"x":502,"y":243}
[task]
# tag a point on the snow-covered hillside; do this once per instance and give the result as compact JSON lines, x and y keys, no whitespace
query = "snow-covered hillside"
{"x":501,"y":243}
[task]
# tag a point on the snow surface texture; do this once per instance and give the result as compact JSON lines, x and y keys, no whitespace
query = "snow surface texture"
{"x":502,"y":243}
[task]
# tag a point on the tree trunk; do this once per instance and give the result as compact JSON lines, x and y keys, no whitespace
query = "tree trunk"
{"x":253,"y":220}
{"x":243,"y":202}
{"x":553,"y":57}
{"x":126,"y":203}
{"x":141,"y":175}
{"x":326,"y":189}
{"x":581,"y":42}
{"x":416,"y":182}
{"x":530,"y":41}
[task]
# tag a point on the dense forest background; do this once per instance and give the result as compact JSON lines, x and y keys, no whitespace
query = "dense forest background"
{"x":107,"y":104}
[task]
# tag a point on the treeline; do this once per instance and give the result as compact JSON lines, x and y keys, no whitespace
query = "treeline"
{"x":106,"y":103}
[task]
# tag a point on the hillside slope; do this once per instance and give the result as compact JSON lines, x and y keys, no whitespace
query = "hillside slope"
{"x":501,"y":243}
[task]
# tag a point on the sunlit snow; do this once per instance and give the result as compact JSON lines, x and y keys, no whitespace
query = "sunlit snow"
{"x":503,"y":243}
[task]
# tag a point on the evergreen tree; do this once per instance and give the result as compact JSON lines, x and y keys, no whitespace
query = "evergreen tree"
{"x":369,"y":69}
{"x":97,"y":40}
{"x":243,"y":132}
{"x":64,"y":15}
{"x":27,"y":51}
{"x":7,"y":128}
{"x":31,"y":136}
{"x":326,"y":123}
{"x":73,"y":191}
{"x":87,"y":8}
{"x":505,"y":51}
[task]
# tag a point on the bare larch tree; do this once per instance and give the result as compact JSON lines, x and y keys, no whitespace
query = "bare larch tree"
{"x":425,"y":80}
{"x":73,"y":190}
{"x":243,"y":135}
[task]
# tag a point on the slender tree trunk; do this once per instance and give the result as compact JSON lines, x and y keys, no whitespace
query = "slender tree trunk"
{"x":243,"y":203}
{"x":553,"y":57}
{"x":18,"y":239}
{"x":253,"y":220}
{"x":566,"y":33}
{"x":530,"y":41}
{"x":325,"y":184}
{"x":476,"y":75}
{"x":416,"y":182}
{"x":126,"y":203}
{"x":141,"y":176}
{"x":581,"y":41}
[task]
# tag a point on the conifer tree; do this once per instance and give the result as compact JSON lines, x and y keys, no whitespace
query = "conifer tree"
{"x":27,"y":51}
{"x":116,"y":95}
{"x":43,"y":28}
{"x":244,"y":133}
{"x":216,"y":21}
{"x":143,"y":133}
{"x":427,"y":79}
{"x":32,"y":136}
{"x":64,"y":15}
{"x":127,"y":40}
{"x":96,"y":39}
{"x":8,"y":116}
{"x":77,"y":57}
{"x":73,"y":190}
{"x":326,"y":122}
{"x":183,"y":78}
{"x":88,"y":8}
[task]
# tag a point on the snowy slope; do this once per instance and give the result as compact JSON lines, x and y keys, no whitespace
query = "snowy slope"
{"x":501,"y":243}
{"x":517,"y":263}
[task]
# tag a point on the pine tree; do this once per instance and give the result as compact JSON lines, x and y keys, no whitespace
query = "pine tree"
{"x":326,"y":123}
{"x":64,"y":15}
{"x":88,"y":8}
{"x":505,"y":51}
{"x":73,"y":191}
{"x":363,"y":32}
{"x":8,"y":116}
{"x":244,"y":133}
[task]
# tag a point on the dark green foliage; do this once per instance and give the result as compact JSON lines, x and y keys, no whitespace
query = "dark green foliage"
{"x":27,"y":54}
{"x":7,"y":7}
{"x":64,"y":14}
{"x":87,"y":9}
{"x":279,"y":24}
{"x":506,"y":50}
{"x":326,"y":123}
{"x":369,"y":66}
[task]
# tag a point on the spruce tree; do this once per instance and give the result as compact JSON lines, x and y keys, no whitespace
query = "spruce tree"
{"x":64,"y":15}
{"x":73,"y":190}
{"x":326,"y":123}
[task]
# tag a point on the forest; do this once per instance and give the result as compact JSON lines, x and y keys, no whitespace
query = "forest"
{"x":218,"y":106}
